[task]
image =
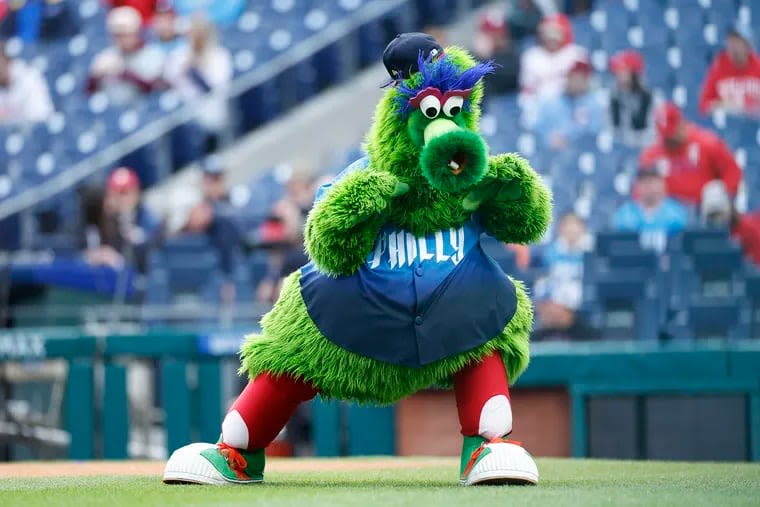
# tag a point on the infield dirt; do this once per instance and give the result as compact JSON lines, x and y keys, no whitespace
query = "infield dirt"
{"x":137,"y":468}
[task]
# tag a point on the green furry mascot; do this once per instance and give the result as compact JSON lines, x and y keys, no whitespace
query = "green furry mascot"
{"x":399,"y":295}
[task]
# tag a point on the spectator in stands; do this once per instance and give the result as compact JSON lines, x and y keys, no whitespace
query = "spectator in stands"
{"x":282,"y":233}
{"x":689,"y":156}
{"x":200,"y":67}
{"x":733,"y":80}
{"x":493,"y":42}
{"x":165,"y":29}
{"x":146,"y":8}
{"x":559,"y":293}
{"x":130,"y":67}
{"x":718,"y":210}
{"x":652,"y":214}
{"x":630,"y":102}
{"x":218,"y":219}
{"x":24,"y":94}
{"x":544,"y":68}
{"x":574,"y":114}
{"x":124,"y":231}
{"x":32,"y":20}
{"x":523,"y":16}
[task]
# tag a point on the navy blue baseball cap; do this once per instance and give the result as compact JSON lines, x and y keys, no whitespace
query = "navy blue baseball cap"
{"x":401,"y":54}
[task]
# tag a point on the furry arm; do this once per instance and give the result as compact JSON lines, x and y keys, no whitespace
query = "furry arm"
{"x":343,"y":226}
{"x":512,"y":201}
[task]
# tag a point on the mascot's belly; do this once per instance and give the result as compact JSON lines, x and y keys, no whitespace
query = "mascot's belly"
{"x":415,"y":301}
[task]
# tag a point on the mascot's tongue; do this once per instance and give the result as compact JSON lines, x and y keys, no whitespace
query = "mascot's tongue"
{"x":458,"y":163}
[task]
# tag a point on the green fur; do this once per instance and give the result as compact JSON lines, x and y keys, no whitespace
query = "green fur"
{"x":392,"y":149}
{"x":291,"y":344}
{"x":341,"y":231}
{"x":343,"y":226}
{"x":523,"y":219}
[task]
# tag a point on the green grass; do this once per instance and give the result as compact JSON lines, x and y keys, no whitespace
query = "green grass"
{"x":563,"y":482}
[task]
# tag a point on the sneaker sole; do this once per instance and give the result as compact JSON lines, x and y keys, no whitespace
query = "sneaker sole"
{"x":501,"y":478}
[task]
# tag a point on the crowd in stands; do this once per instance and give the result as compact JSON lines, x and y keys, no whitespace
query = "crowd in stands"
{"x":685,"y":176}
{"x":155,"y":45}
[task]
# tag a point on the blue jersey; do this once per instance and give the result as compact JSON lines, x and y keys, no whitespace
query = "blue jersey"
{"x":414,"y":300}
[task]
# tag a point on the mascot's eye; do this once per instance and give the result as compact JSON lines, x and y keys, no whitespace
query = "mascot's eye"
{"x":430,"y":106}
{"x":453,"y":105}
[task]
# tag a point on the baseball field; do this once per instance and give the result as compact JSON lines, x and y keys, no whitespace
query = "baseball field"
{"x":417,"y":482}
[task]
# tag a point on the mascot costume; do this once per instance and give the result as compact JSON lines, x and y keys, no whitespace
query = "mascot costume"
{"x":398,"y":295}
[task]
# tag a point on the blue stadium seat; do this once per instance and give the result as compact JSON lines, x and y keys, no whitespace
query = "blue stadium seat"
{"x":258,"y":264}
{"x":722,"y":14}
{"x":719,"y":319}
{"x":692,"y":239}
{"x":584,"y":33}
{"x":752,"y":291}
{"x":690,"y":16}
{"x":614,"y":40}
{"x":658,"y":73}
{"x":371,"y":43}
{"x":704,"y":263}
{"x":611,"y":243}
{"x":627,"y":306}
{"x":191,"y":273}
{"x":742,"y":132}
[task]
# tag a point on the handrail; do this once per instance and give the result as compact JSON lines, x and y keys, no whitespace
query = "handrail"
{"x":154,"y":130}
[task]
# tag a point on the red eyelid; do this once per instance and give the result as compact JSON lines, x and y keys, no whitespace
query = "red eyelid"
{"x":465,"y":94}
{"x":415,"y":101}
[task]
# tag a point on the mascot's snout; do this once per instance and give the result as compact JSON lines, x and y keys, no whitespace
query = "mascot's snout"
{"x":453,"y":159}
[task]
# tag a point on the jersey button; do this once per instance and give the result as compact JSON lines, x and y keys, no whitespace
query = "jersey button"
{"x":418,"y":320}
{"x":419,"y":271}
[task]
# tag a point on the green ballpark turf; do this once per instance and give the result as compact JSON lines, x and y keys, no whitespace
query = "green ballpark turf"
{"x":563,"y":482}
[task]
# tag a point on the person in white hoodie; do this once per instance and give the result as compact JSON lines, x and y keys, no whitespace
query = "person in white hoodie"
{"x":24,"y":94}
{"x":544,"y":68}
{"x":201,"y":67}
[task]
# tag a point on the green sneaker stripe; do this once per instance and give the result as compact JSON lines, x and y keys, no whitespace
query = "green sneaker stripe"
{"x":254,"y":470}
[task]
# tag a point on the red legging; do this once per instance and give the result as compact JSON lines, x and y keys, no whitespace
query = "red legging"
{"x":268,"y":402}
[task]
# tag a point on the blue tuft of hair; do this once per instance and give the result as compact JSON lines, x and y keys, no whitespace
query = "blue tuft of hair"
{"x":444,"y":75}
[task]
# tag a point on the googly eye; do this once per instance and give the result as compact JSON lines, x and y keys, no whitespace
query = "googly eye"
{"x":453,"y":105}
{"x":430,"y":106}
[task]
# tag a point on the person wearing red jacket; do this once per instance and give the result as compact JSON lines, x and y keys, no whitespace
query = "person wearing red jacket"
{"x":718,"y":211}
{"x":733,"y":80}
{"x":689,"y":156}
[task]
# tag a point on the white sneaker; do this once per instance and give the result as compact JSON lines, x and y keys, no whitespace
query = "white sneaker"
{"x":214,"y":464}
{"x":500,"y":462}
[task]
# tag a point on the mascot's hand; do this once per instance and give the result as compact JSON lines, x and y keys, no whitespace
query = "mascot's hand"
{"x":511,"y":199}
{"x":377,"y":191}
{"x":504,"y":182}
{"x":492,"y":188}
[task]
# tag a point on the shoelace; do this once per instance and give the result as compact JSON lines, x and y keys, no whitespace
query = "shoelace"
{"x":479,"y":451}
{"x":234,"y":459}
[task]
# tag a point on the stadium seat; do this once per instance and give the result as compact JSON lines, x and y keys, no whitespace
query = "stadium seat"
{"x":691,"y":239}
{"x":627,"y":304}
{"x":610,"y":243}
{"x":752,"y":291}
{"x":719,"y":319}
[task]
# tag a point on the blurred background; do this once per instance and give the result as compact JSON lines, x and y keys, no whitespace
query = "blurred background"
{"x":158,"y":160}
